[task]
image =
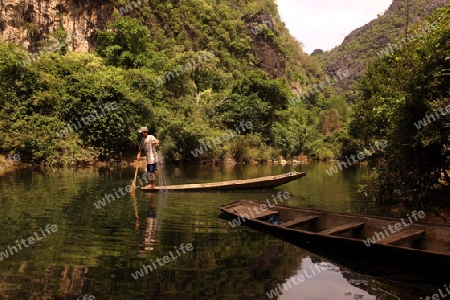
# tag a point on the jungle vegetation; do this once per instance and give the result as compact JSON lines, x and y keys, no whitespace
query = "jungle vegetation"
{"x":193,"y":70}
{"x":190,"y":71}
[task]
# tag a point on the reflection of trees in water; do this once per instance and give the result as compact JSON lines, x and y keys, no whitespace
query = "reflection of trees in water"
{"x":372,"y":287}
{"x":69,"y":282}
{"x":74,"y":282}
{"x":216,"y":270}
{"x":277,"y":262}
{"x":246,"y":268}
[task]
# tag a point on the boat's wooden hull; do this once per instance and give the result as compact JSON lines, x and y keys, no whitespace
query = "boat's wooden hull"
{"x":418,"y":242}
{"x":255,"y":183}
{"x":384,"y":264}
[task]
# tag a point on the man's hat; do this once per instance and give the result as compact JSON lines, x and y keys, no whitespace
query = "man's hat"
{"x":143,"y":129}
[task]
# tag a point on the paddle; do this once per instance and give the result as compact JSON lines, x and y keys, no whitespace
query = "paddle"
{"x":133,"y":185}
{"x":136,"y":210}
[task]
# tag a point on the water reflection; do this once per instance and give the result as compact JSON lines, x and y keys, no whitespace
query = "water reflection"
{"x":96,"y":250}
{"x":326,"y":282}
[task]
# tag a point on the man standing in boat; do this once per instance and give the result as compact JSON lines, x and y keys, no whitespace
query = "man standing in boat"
{"x":149,"y":144}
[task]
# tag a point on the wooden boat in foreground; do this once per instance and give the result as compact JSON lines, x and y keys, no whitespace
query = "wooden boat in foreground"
{"x":404,"y":239}
{"x":254,"y":183}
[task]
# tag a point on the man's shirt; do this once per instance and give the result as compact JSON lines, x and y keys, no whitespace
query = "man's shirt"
{"x":148,"y":144}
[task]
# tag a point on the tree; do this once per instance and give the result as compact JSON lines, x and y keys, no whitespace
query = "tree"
{"x":125,"y":43}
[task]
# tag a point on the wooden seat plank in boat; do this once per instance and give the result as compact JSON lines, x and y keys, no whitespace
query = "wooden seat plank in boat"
{"x":300,"y":221}
{"x":342,"y":228}
{"x":403,"y":236}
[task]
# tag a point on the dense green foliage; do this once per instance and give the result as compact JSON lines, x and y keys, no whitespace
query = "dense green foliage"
{"x":39,"y":99}
{"x":398,"y":91}
{"x":187,"y":71}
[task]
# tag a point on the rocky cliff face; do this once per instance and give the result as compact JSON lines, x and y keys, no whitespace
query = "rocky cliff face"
{"x":264,"y":49}
{"x":29,"y":22}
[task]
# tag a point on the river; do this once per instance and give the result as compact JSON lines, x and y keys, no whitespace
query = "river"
{"x":194,"y":253}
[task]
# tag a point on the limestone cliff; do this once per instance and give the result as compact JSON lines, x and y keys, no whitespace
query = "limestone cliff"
{"x":29,"y":22}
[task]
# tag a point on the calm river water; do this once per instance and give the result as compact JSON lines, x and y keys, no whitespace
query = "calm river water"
{"x":98,"y":252}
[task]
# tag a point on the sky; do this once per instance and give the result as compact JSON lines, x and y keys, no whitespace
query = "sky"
{"x":323,"y":24}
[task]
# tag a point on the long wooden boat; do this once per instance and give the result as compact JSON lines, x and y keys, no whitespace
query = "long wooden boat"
{"x":254,"y":183}
{"x":407,"y":239}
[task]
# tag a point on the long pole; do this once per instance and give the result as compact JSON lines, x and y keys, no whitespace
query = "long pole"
{"x":133,"y":185}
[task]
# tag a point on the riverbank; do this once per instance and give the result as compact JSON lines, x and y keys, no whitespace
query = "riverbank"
{"x":130,"y":160}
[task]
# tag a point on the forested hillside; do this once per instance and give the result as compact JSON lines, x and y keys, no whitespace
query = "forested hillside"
{"x":365,"y":44}
{"x":405,"y":100}
{"x":193,"y":71}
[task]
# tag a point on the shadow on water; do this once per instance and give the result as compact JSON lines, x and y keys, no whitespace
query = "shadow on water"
{"x":96,"y":250}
